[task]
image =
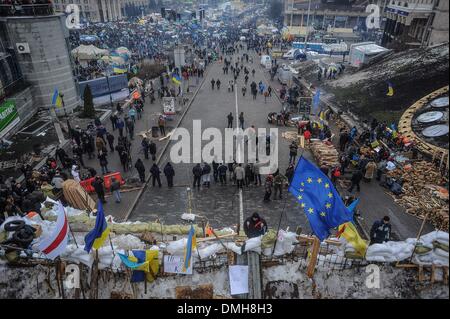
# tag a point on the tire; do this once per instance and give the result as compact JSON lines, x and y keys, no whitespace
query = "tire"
{"x":14,"y":225}
{"x":27,"y":239}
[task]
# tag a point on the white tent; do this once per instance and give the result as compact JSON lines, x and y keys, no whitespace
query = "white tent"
{"x":88,"y":52}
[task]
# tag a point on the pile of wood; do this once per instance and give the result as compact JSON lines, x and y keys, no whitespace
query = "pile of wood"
{"x":422,"y":193}
{"x":325,"y":153}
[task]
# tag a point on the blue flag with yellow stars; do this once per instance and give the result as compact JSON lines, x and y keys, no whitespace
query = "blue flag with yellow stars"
{"x":319,"y":199}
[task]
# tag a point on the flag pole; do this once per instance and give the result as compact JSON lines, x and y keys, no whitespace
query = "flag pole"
{"x":284,"y":207}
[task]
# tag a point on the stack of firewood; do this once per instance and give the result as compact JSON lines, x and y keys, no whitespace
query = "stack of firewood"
{"x":325,"y":153}
{"x":422,"y":193}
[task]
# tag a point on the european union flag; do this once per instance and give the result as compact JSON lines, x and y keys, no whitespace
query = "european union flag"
{"x":319,"y":199}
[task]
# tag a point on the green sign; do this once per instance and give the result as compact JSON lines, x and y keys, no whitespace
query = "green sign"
{"x":9,"y":117}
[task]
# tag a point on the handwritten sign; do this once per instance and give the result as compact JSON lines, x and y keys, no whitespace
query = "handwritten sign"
{"x":175,"y":265}
{"x":238,"y":279}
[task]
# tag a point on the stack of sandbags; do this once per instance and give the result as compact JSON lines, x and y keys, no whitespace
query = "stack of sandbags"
{"x":432,"y":249}
{"x":422,"y":194}
{"x":391,"y":251}
{"x":325,"y":153}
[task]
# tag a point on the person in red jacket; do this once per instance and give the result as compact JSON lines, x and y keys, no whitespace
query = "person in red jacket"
{"x":307,"y":135}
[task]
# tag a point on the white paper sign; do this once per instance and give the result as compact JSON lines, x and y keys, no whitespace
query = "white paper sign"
{"x":175,"y":265}
{"x":238,"y":279}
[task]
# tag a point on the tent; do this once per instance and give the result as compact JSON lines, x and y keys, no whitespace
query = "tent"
{"x":88,"y":52}
{"x":76,"y":196}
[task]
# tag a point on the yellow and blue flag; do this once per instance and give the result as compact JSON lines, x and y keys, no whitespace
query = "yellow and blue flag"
{"x":96,"y":237}
{"x":318,"y":198}
{"x":350,"y":233}
{"x":390,"y":89}
{"x":144,"y":263}
{"x":119,"y":69}
{"x":191,"y":245}
{"x":176,"y":79}
{"x":56,"y":99}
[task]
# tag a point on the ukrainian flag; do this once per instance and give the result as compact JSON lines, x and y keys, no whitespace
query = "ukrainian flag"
{"x":176,"y":79}
{"x":191,"y":245}
{"x":350,"y":233}
{"x":119,"y":69}
{"x":56,"y":99}
{"x":390,"y":89}
{"x":96,"y":237}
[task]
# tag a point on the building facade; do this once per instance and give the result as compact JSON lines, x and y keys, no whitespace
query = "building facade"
{"x":415,"y":23}
{"x":100,"y":10}
{"x":323,"y":15}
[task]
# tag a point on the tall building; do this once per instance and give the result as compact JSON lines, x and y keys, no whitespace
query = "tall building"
{"x":35,"y":59}
{"x":324,"y":14}
{"x":415,"y":23}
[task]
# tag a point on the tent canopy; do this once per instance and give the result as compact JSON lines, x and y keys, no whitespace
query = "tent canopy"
{"x":88,"y":52}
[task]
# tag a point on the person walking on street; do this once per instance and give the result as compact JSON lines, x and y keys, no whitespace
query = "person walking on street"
{"x":222,"y":169}
{"x":230,"y":119}
{"x":170,"y":173}
{"x":218,"y":84}
{"x":206,"y":175}
{"x":114,"y":119}
{"x":103,"y":161}
{"x":256,"y":168}
{"x":115,"y":189}
{"x":380,"y":231}
{"x":99,"y":188}
{"x":241,"y":120}
{"x":120,"y":126}
{"x":155,"y":171}
{"x":123,"y":158}
{"x":145,"y":147}
{"x":197,"y":172}
{"x":290,"y":173}
{"x":370,"y":168}
{"x":356,"y":179}
{"x":162,"y":125}
{"x":139,"y":165}
{"x":278,"y":183}
{"x":215,"y":167}
{"x":239,"y":172}
{"x":99,"y":143}
{"x":293,"y":150}
{"x":110,"y":138}
{"x":130,"y":127}
{"x":152,"y":149}
{"x":212,"y":84}
{"x":268,"y":188}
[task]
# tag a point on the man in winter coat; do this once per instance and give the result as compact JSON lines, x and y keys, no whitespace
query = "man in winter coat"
{"x":115,"y":189}
{"x":356,"y":179}
{"x":110,"y":138}
{"x":239,"y":172}
{"x":139,"y":165}
{"x":170,"y":173}
{"x":206,"y":175}
{"x":268,"y":188}
{"x":278,"y":183}
{"x":293,"y":149}
{"x":380,"y":231}
{"x":155,"y":171}
{"x":222,"y":169}
{"x":370,"y":171}
{"x":98,"y":185}
{"x":152,"y":149}
{"x":197,"y":172}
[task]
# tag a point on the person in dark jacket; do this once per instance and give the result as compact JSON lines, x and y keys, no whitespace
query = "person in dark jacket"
{"x":222,"y":169}
{"x":197,"y":172}
{"x":98,"y":185}
{"x":206,"y":175}
{"x":156,"y":172}
{"x":103,"y":162}
{"x":139,"y":165}
{"x":110,"y":139}
{"x":215,"y":167}
{"x":380,"y":231}
{"x":115,"y":189}
{"x":290,"y":172}
{"x":120,"y":125}
{"x":145,"y":147}
{"x":356,"y":179}
{"x":170,"y":173}
{"x":255,"y":226}
{"x":152,"y":149}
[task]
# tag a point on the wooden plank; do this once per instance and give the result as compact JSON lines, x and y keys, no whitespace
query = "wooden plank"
{"x":313,"y":258}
